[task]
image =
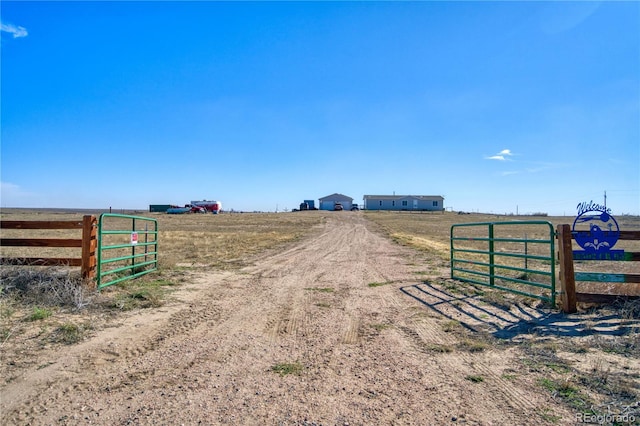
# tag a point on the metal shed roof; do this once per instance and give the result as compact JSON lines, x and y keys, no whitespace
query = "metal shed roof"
{"x":336,"y":196}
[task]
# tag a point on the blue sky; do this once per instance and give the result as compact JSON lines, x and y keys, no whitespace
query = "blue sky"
{"x":499,"y":107}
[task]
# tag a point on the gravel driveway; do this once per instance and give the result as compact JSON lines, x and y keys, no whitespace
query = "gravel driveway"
{"x":338,"y":329}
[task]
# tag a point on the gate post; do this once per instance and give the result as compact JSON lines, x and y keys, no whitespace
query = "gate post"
{"x":567,"y":274}
{"x":492,"y":269}
{"x":89,"y":245}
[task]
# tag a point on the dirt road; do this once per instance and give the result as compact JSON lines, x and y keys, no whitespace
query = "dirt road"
{"x":339,"y":329}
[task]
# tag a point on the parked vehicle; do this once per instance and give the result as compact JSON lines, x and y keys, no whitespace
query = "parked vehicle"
{"x":188,"y":208}
{"x":178,"y":210}
{"x":306,"y":205}
{"x":338,"y":207}
{"x":355,"y":208}
{"x":214,"y":207}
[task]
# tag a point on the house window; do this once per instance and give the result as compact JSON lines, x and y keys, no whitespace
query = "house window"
{"x":404,"y":203}
{"x":380,"y":203}
{"x":393,"y":203}
{"x":435,"y":204}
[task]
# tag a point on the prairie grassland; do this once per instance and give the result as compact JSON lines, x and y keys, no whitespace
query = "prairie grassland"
{"x":228,"y":240}
{"x":430,"y":232}
{"x":188,"y":240}
{"x":592,"y":385}
{"x":571,"y":368}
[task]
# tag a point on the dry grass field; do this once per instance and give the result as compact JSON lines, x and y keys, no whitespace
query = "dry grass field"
{"x":306,"y":318}
{"x":430,"y":232}
{"x":434,"y":228}
{"x":222,"y":240}
{"x":228,"y":240}
{"x":202,"y":240}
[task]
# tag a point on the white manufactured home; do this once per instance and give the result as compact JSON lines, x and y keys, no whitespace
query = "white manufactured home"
{"x":329,"y":202}
{"x":404,"y":202}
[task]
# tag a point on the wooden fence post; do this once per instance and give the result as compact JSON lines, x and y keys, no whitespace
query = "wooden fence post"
{"x":89,"y":246}
{"x":567,"y":275}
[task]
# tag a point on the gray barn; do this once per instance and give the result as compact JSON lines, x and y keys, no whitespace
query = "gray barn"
{"x":328,"y":202}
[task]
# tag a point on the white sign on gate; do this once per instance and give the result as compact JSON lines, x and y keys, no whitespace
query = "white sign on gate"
{"x":134,"y":238}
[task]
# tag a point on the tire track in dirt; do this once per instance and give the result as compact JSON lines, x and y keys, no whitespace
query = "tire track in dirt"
{"x":117,"y":349}
{"x":426,"y":334}
{"x":423,"y":336}
{"x":362,"y":350}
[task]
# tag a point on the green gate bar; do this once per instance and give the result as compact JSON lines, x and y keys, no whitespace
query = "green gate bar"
{"x":125,"y":267}
{"x":493,"y":272}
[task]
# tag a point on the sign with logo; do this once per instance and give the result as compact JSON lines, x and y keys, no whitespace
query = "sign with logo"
{"x":134,"y":238}
{"x":596,"y":231}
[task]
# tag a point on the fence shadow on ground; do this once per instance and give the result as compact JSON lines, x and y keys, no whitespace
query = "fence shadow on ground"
{"x":477,"y":314}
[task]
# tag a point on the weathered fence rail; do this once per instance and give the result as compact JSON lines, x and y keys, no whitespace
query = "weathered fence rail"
{"x":87,"y":243}
{"x":568,"y":275}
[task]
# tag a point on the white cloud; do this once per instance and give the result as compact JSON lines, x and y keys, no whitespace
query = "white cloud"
{"x":501,"y":156}
{"x":12,"y":195}
{"x":17,"y":32}
{"x":8,"y":187}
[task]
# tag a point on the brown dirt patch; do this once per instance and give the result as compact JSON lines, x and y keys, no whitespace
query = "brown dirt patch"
{"x":343,"y":327}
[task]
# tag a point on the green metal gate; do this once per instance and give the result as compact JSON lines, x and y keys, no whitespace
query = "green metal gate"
{"x":518,"y":257}
{"x":127,"y":248}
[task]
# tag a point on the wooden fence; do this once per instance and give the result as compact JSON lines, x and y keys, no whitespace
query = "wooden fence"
{"x":88,"y":243}
{"x":568,"y":275}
